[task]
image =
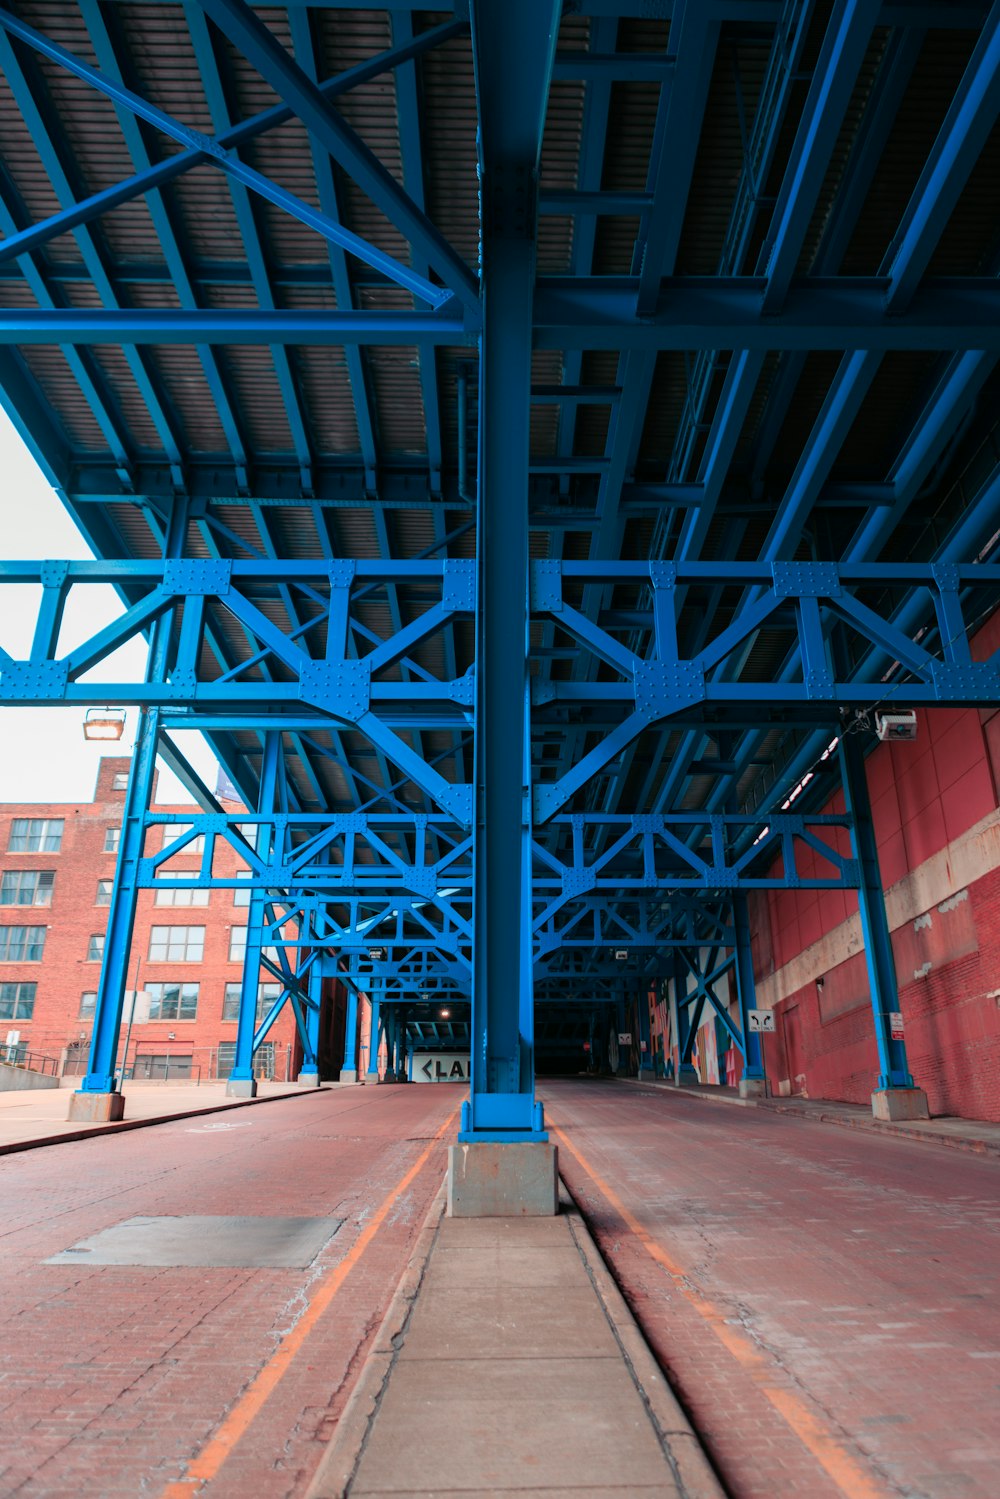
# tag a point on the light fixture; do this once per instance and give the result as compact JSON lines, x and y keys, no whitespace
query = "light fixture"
{"x":445,"y":1014}
{"x":376,"y":954}
{"x":621,"y":954}
{"x":104,"y":723}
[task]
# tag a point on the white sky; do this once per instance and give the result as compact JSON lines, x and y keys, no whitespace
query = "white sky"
{"x":43,"y":754}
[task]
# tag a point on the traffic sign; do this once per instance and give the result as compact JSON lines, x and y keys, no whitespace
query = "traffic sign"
{"x":760,"y":1020}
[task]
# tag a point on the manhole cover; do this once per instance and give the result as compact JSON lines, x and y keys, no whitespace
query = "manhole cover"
{"x":251,"y":1243}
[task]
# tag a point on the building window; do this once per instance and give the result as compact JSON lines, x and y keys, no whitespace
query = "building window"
{"x":119,"y":781}
{"x":237,"y":944}
{"x":112,"y":838}
{"x":26,"y":887}
{"x":174,"y":830}
{"x":22,"y":944}
{"x":263,"y":1059}
{"x":17,"y":1001}
{"x":104,"y":892}
{"x":172,"y":1001}
{"x":242,"y":897}
{"x":36,"y":835}
{"x":176,"y":944}
{"x":88,"y":1005}
{"x":250,"y":831}
{"x":266,"y":995}
{"x":95,"y":947}
{"x":161,"y":1065}
{"x":167,"y":896}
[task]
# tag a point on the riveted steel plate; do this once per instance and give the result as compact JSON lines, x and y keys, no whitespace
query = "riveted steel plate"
{"x":250,"y":1243}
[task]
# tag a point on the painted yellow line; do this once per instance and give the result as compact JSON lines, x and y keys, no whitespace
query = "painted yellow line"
{"x":204,"y":1467}
{"x":822,"y":1440}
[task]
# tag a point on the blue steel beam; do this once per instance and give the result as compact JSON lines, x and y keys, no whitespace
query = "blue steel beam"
{"x":513,"y":54}
{"x":127,"y":99}
{"x":107,"y":59}
{"x":820,"y":313}
{"x":163,"y":173}
{"x":32,"y":99}
{"x":237,"y":22}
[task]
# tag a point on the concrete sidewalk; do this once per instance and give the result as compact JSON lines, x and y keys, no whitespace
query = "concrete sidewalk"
{"x":39,"y":1118}
{"x":976,"y":1135}
{"x":509,"y":1363}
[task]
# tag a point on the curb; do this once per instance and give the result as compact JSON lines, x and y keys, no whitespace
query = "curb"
{"x":90,"y":1131}
{"x":339,"y":1462}
{"x":696,"y":1479}
{"x":870,"y":1126}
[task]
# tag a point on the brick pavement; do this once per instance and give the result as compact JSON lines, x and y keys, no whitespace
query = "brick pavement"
{"x":825,"y":1303}
{"x":113,"y":1378}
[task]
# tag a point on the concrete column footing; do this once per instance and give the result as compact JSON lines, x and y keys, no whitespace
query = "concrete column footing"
{"x":493,"y":1180}
{"x":308,"y":1079}
{"x":891,"y":1105}
{"x":754,"y":1087}
{"x":96,"y":1108}
{"x":348,"y":1075}
{"x":686,"y":1079}
{"x":241,"y":1087}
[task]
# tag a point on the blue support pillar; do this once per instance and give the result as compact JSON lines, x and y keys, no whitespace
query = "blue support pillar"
{"x":513,"y":52}
{"x":645,"y":1034}
{"x":349,"y":1069}
{"x":895,"y":1096}
{"x":309,"y":1071}
{"x":376,"y":1030}
{"x":685,"y":1075}
{"x":389,"y":1027}
{"x":621,"y":1020}
{"x":242,"y":1083}
{"x":99,"y":1098}
{"x":753,"y":1083}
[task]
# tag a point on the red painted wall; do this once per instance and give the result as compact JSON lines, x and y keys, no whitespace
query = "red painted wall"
{"x":924,"y":795}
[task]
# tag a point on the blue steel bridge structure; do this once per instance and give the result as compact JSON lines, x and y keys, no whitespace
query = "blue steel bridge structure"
{"x":526,"y":435}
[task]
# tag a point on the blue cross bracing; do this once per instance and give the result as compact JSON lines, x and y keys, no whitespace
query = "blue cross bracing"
{"x":526,"y":438}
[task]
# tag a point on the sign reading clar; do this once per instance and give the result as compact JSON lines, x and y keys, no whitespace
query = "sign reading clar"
{"x":440,"y":1067}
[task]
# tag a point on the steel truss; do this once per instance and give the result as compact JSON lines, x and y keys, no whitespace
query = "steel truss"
{"x":535,"y":776}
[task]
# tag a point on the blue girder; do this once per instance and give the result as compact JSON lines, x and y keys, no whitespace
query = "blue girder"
{"x":556,"y":829}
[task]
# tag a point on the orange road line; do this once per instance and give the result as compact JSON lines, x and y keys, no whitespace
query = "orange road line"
{"x":816,"y":1435}
{"x":206,"y":1464}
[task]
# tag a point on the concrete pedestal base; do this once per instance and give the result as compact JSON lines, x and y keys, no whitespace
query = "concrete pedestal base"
{"x":241,"y":1087}
{"x":96,"y":1108}
{"x":348,"y":1075}
{"x":754,"y":1087}
{"x":308,"y":1079}
{"x":892,"y":1104}
{"x":519,"y":1180}
{"x":687,"y":1078}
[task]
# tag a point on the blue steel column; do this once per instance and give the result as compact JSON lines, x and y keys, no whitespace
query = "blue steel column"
{"x":753,"y":1050}
{"x":375,"y":1037}
{"x":100,"y":1078}
{"x":349,"y":1070}
{"x":645,"y":1033}
{"x":686,"y":1074}
{"x":513,"y":51}
{"x":309,"y":1071}
{"x":389,"y":1028}
{"x":894,"y":1071}
{"x":242,"y":1083}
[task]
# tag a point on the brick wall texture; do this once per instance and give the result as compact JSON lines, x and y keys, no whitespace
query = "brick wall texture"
{"x":59,"y":1022}
{"x":935,"y":810}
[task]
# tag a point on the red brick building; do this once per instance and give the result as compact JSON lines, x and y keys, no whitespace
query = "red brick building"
{"x":936,"y":814}
{"x":57,"y":863}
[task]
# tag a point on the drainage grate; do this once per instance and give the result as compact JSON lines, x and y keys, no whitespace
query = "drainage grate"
{"x":250,"y":1243}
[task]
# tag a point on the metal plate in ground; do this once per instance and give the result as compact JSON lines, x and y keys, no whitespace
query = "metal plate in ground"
{"x":246,"y":1243}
